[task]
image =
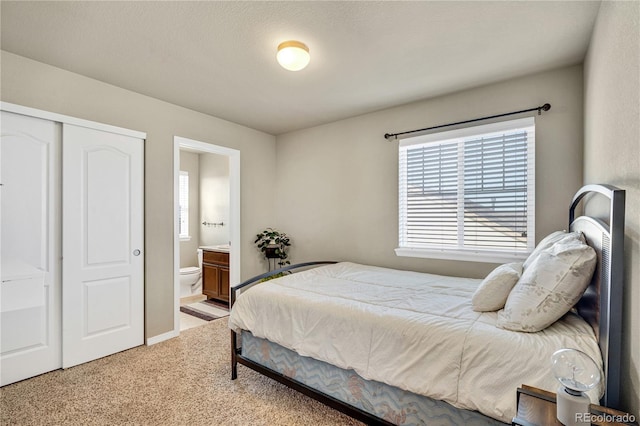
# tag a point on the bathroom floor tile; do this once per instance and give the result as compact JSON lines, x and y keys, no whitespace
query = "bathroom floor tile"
{"x":188,"y":321}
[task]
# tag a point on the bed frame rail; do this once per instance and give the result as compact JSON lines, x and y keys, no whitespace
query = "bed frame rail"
{"x":258,"y":278}
{"x":601,"y":304}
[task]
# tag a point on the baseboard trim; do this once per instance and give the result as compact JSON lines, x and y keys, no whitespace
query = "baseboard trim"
{"x":162,"y":337}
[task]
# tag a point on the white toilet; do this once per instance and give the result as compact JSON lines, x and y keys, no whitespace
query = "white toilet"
{"x":191,"y":278}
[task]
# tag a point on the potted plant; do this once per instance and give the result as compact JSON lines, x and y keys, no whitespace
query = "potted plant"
{"x":274,"y":245}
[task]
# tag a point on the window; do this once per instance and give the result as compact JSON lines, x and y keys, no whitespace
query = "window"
{"x":184,"y":205}
{"x":468,"y":194}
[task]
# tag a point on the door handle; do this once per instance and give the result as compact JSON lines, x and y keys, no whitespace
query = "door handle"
{"x":136,"y":252}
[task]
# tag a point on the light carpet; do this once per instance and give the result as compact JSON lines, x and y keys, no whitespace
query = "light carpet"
{"x":182,"y":381}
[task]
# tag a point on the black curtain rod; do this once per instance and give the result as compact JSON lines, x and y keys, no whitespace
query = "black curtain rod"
{"x":545,"y":107}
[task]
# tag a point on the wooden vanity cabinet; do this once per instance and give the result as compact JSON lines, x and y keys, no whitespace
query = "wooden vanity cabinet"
{"x":215,"y":275}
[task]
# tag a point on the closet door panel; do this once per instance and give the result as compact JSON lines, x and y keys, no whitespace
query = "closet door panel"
{"x":30,"y":331}
{"x":103,"y":235}
{"x":107,"y":207}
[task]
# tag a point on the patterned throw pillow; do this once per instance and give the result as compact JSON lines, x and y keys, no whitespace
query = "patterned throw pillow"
{"x":493,"y":291}
{"x":549,"y":286}
{"x":549,"y":241}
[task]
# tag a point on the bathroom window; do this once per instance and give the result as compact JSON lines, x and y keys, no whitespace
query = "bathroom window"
{"x":184,"y":206}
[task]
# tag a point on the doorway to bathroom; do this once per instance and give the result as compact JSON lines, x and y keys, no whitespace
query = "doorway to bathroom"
{"x":206,"y":230}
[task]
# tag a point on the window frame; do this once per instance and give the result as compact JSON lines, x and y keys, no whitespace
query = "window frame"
{"x":459,"y":137}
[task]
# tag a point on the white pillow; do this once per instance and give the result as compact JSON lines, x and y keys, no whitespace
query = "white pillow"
{"x":549,"y":287}
{"x":493,"y":291}
{"x":549,"y":241}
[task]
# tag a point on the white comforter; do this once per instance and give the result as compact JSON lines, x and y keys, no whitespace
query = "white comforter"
{"x":411,"y":330}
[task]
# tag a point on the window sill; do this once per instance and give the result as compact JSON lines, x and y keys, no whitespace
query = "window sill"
{"x":184,"y":238}
{"x":465,"y":255}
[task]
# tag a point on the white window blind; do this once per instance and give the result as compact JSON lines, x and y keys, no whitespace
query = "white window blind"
{"x":468,"y":193}
{"x":184,"y":204}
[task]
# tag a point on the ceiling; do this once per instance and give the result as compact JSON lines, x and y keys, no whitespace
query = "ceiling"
{"x":219,"y":57}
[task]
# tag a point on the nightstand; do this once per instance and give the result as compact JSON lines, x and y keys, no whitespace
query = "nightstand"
{"x":537,"y":407}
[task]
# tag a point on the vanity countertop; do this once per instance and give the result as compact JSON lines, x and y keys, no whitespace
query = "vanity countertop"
{"x":223,"y":248}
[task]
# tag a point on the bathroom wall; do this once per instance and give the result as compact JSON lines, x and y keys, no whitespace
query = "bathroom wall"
{"x":214,"y":199}
{"x":189,"y":162}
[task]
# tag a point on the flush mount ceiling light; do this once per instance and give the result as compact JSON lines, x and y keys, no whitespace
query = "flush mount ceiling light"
{"x":293,"y":55}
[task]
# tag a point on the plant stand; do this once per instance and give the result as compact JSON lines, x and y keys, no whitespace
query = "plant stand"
{"x":272,"y":258}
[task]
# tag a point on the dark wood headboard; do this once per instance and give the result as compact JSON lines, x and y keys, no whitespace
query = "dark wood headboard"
{"x":601,"y":305}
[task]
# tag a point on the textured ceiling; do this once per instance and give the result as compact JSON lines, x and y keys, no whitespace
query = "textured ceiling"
{"x":219,"y":57}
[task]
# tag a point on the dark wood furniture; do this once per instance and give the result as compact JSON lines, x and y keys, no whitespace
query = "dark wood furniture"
{"x":537,"y":407}
{"x":215,"y":275}
{"x":600,"y":306}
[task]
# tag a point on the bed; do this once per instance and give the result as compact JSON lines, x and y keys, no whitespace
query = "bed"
{"x":401,"y":347}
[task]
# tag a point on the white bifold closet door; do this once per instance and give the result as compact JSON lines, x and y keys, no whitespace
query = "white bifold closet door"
{"x":71,"y":224}
{"x":30,"y":341}
{"x":103,"y":292}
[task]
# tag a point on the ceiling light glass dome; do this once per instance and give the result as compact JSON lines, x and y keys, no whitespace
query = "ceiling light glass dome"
{"x":293,"y":55}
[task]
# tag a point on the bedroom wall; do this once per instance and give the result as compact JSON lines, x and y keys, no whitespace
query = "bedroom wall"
{"x":34,"y":84}
{"x":189,"y":249}
{"x":612,"y":154}
{"x":337,"y":191}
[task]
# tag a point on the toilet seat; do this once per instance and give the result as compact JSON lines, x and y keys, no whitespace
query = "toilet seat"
{"x":189,"y":270}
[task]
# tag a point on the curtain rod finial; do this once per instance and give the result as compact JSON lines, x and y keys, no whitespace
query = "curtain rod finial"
{"x":545,"y":107}
{"x":387,"y":136}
